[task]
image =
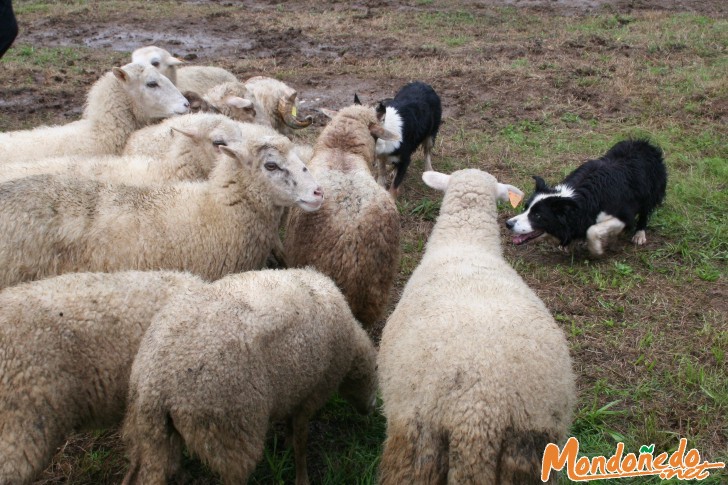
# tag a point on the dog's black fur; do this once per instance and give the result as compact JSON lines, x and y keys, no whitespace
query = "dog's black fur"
{"x":420,"y":108}
{"x":628,"y":183}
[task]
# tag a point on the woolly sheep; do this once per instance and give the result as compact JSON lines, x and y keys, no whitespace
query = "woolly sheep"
{"x":475,"y":374}
{"x":66,"y":349}
{"x":275,"y":104}
{"x":354,"y":238}
{"x":180,"y":148}
{"x":287,"y":335}
{"x":160,"y":59}
{"x":123,"y":100}
{"x":199,"y":79}
{"x":53,"y":224}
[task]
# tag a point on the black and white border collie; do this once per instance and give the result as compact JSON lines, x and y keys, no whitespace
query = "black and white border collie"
{"x":414,"y":114}
{"x":598,"y":200}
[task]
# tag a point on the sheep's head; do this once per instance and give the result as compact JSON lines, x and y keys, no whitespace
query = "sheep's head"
{"x":230,"y":100}
{"x":203,"y":135}
{"x":160,"y":59}
{"x":277,"y":105}
{"x":471,"y":181}
{"x":359,"y":386}
{"x":285,"y":178}
{"x":152,"y":94}
{"x":355,"y":129}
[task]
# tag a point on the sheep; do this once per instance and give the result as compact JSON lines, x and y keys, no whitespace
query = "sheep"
{"x":123,"y":100}
{"x":220,"y":363}
{"x":180,"y":148}
{"x":228,"y":99}
{"x":199,"y":79}
{"x":414,"y":114}
{"x":66,"y":349}
{"x":354,"y":238}
{"x":53,"y":224}
{"x":275,"y":104}
{"x":475,"y":374}
{"x":160,"y":59}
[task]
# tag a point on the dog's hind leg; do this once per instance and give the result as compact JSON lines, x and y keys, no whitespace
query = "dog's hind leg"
{"x":427,"y":147}
{"x":599,"y":234}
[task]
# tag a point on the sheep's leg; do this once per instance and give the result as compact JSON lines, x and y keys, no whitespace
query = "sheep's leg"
{"x":600,"y":233}
{"x":299,"y":425}
{"x":382,"y":172}
{"x":155,"y":448}
{"x":429,"y":144}
{"x":413,"y":454}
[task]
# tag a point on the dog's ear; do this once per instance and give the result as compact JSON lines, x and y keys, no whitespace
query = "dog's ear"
{"x":541,"y":185}
{"x":381,"y":111}
{"x":356,"y":99}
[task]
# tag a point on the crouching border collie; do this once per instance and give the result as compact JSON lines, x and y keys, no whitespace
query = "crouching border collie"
{"x":598,"y":200}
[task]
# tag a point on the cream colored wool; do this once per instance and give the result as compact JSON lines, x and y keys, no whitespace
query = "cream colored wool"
{"x":221,"y":363}
{"x":354,"y":237}
{"x":115,"y":108}
{"x":201,"y":79}
{"x":53,"y":224}
{"x":157,"y":153}
{"x":66,"y":349}
{"x":475,"y":374}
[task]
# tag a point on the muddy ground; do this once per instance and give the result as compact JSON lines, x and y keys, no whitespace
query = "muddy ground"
{"x":331,"y":50}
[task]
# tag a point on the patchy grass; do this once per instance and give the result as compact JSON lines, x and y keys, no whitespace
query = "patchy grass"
{"x":524,"y":92}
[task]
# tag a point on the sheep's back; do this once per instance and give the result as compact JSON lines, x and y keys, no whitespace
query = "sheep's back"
{"x":353,"y":238}
{"x":473,"y":331}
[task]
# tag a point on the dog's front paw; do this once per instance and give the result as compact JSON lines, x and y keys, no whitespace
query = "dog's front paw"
{"x":639,"y":238}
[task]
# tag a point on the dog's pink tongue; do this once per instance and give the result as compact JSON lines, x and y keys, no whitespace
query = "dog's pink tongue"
{"x":522,"y":238}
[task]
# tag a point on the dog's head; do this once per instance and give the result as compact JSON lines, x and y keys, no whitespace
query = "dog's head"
{"x":550,"y":210}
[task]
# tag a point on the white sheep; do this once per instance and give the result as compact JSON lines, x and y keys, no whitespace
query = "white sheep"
{"x":66,"y":349}
{"x":53,"y":224}
{"x":180,"y":148}
{"x":198,"y":79}
{"x":160,"y":59}
{"x":122,"y":101}
{"x":475,"y":374}
{"x":220,"y":363}
{"x":354,"y":238}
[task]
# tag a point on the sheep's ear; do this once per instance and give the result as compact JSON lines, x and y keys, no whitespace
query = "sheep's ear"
{"x":379,"y":131}
{"x":173,"y":61}
{"x":120,"y":74}
{"x":356,"y":99}
{"x":541,"y":185}
{"x":238,"y":102}
{"x":328,"y":112}
{"x":436,"y":180}
{"x":509,"y":193}
{"x":238,"y":154}
{"x":190,"y":134}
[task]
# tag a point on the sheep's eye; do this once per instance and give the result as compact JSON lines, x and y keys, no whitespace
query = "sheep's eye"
{"x":218,"y":143}
{"x":270,"y":166}
{"x":152,"y":84}
{"x":155,"y":63}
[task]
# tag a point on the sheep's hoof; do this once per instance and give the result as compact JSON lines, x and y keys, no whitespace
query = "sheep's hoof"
{"x":639,"y":238}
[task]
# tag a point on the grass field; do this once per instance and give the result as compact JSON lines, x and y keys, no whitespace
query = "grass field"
{"x":525,"y":91}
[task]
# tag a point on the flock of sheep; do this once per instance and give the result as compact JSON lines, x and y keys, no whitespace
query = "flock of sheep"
{"x":133,"y":244}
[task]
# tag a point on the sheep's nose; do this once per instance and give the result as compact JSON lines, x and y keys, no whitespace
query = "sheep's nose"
{"x":319,"y":192}
{"x":510,"y":223}
{"x":187,"y":104}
